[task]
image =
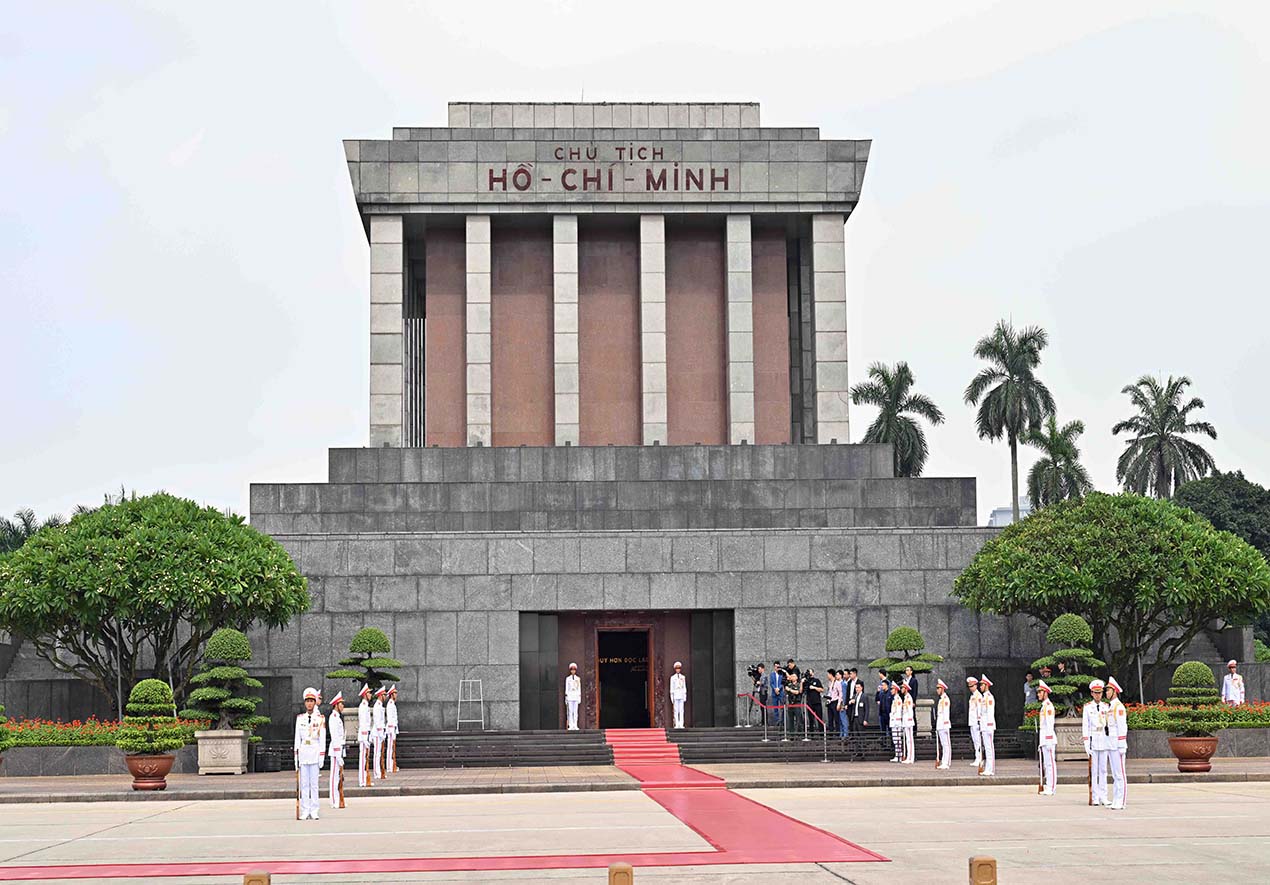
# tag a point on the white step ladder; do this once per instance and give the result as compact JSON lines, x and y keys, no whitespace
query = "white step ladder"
{"x":470,"y":693}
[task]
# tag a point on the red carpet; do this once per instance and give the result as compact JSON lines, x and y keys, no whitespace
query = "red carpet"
{"x":740,"y":830}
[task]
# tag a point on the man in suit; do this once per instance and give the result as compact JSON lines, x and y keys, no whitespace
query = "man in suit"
{"x":813,"y":695}
{"x":883,"y":700}
{"x":859,"y":712}
{"x":911,"y":681}
{"x":776,"y":691}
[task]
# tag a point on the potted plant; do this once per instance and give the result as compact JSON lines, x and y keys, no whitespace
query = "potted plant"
{"x":149,"y":734}
{"x":907,"y":648}
{"x":1194,"y":693}
{"x":365,"y":665}
{"x":1069,"y":686}
{"x":220,"y":697}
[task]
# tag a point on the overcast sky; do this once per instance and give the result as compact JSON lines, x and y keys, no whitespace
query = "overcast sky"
{"x":184,"y":274}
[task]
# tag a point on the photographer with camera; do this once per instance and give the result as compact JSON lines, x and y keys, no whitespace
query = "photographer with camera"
{"x":758,"y":676}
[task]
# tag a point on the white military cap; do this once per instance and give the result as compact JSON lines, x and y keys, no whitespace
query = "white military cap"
{"x":1041,"y":686}
{"x":970,"y":680}
{"x":311,"y":693}
{"x":1232,"y":663}
{"x":572,"y":666}
{"x":1112,"y":683}
{"x":1097,"y":683}
{"x":365,"y":692}
{"x":939,"y":683}
{"x":393,"y":688}
{"x":677,"y":664}
{"x":984,"y":679}
{"x":338,"y":699}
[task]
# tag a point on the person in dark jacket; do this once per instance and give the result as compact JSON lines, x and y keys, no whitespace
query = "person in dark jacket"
{"x":883,"y":701}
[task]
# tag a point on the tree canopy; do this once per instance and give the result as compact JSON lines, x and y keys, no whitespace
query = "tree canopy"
{"x":138,"y":585}
{"x":1153,"y":572}
{"x":891,"y":390}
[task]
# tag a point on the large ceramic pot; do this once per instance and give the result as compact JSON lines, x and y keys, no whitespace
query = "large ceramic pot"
{"x":1193,"y":753}
{"x":222,"y":751}
{"x":150,"y":771}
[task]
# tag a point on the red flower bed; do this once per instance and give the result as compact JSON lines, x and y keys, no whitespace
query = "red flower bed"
{"x":90,"y":732}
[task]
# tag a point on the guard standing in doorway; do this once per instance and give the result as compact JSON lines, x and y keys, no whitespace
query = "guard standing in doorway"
{"x":310,"y":750}
{"x":572,"y":696}
{"x":335,"y":728}
{"x":679,"y":693}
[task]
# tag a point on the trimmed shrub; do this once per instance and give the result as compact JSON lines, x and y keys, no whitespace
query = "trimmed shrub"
{"x":1193,"y":695}
{"x":907,"y":649}
{"x":150,"y":728}
{"x":367,"y":662}
{"x":1070,"y":691}
{"x":220,"y":687}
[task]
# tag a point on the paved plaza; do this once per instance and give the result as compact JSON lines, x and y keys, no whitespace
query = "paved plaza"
{"x":1171,"y":833}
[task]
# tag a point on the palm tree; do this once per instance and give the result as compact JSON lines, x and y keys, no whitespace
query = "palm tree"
{"x":1159,"y":458}
{"x":14,"y":532}
{"x":1058,"y":475}
{"x":1015,"y":401}
{"x":891,"y":391}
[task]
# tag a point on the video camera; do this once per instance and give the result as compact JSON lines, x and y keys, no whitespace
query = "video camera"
{"x":752,"y":672}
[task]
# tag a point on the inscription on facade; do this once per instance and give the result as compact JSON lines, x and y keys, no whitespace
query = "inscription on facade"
{"x":596,"y":168}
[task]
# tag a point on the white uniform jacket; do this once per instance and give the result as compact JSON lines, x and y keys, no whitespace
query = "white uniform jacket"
{"x":1232,"y":689}
{"x":987,"y":712}
{"x":908,"y":718}
{"x":1095,"y":727}
{"x":943,"y":714}
{"x":378,"y":723}
{"x":573,"y":687}
{"x":1046,"y":722}
{"x":363,"y":722}
{"x":335,"y":727}
{"x":1119,"y":717}
{"x":972,"y":708}
{"x":310,"y":738}
{"x":678,"y":687}
{"x":390,"y":712}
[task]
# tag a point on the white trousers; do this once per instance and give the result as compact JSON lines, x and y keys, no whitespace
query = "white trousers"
{"x":379,"y":753}
{"x":391,"y":752}
{"x":977,"y":738}
{"x":572,"y":707}
{"x":945,"y":747}
{"x":897,"y":741}
{"x":910,"y":751}
{"x":309,"y":790}
{"x":337,"y":768}
{"x":363,"y":764}
{"x":1115,"y":761}
{"x":679,"y":713}
{"x":988,"y":736}
{"x":1049,"y":774}
{"x":1099,"y":774}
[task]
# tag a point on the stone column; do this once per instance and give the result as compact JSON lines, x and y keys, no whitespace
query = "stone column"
{"x":387,"y":284}
{"x":740,"y":318}
{"x":652,"y":326}
{"x":565,"y":325}
{"x":478,"y":331}
{"x":829,"y":289}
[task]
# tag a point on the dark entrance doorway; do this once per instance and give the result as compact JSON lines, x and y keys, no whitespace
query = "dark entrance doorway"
{"x":622,"y":656}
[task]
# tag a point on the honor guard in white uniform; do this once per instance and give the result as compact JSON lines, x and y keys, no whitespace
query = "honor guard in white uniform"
{"x":378,"y":730}
{"x":988,"y":726}
{"x":1048,"y":739}
{"x":572,"y":696}
{"x":335,"y":728}
{"x":972,"y":717}
{"x":390,"y":717}
{"x":678,"y":693}
{"x":1095,"y":729}
{"x":364,"y":722}
{"x":897,"y":721}
{"x":1119,"y":721}
{"x":1232,"y":687}
{"x":943,"y":725}
{"x":908,"y":722}
{"x":310,"y":750}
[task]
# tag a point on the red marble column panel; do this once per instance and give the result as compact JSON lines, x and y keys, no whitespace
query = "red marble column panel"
{"x":696,"y":367}
{"x":444,"y":368}
{"x":522,"y":373}
{"x":608,"y":332}
{"x":771,"y":337}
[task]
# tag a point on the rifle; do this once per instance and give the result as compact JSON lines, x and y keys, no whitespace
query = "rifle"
{"x":394,"y":754}
{"x":297,"y":789}
{"x":1040,"y":768}
{"x":1089,"y":770}
{"x":341,"y":785}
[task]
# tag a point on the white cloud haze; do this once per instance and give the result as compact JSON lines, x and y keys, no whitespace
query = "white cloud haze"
{"x":184,"y":274}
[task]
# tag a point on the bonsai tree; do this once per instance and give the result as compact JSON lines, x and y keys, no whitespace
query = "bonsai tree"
{"x":367,"y":660}
{"x":906,"y":648}
{"x":1194,"y":688}
{"x":220,"y":686}
{"x":150,"y":728}
{"x":143,"y":582}
{"x":1069,"y":687}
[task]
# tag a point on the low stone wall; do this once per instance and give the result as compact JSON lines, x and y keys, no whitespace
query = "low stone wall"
{"x":58,"y":761}
{"x":1230,"y":742}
